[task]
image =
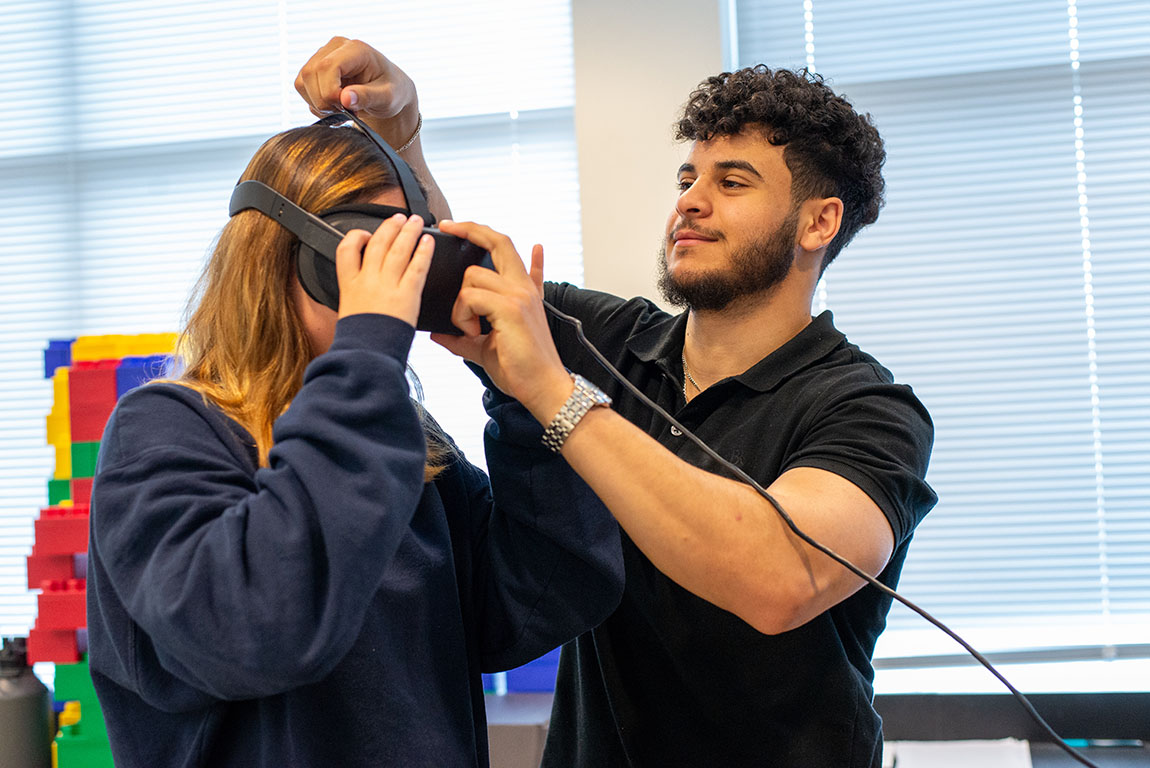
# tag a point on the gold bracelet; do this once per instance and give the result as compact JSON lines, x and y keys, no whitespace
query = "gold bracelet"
{"x":414,"y":136}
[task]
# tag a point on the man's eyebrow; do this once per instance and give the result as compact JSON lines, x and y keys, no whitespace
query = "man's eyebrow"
{"x":725,"y":165}
{"x":739,"y":165}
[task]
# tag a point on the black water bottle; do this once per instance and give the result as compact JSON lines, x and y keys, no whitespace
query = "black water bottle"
{"x":25,"y":711}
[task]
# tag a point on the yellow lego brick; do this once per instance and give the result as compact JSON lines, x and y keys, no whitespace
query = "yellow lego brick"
{"x":58,"y":425}
{"x":97,"y":347}
{"x":60,"y":402}
{"x":63,"y":469}
{"x":149,"y":344}
{"x":116,"y":346}
{"x":70,"y":715}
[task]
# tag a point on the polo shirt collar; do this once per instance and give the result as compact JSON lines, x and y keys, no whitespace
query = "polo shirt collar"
{"x":662,"y":343}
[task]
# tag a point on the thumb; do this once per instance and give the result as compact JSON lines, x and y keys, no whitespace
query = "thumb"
{"x":350,"y":98}
{"x":467,"y":347}
{"x":368,"y":100}
{"x":537,"y":266}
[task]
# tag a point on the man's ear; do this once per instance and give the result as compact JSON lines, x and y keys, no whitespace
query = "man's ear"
{"x":819,"y":222}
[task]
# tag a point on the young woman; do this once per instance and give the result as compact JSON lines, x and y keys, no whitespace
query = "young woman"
{"x":290,"y":565}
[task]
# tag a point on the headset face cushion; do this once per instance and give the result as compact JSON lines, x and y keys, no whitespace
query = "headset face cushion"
{"x":453,"y":255}
{"x":317,"y":271}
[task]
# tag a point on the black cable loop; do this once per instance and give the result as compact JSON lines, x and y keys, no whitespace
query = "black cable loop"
{"x":743,"y":476}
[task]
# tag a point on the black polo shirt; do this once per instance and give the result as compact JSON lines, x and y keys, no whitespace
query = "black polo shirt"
{"x":672,"y":680}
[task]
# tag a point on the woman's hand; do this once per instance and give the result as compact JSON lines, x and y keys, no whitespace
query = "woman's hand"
{"x":383,"y":273}
{"x":518,"y":354}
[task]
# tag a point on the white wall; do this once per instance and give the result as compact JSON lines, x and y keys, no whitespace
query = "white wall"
{"x":636,"y":61}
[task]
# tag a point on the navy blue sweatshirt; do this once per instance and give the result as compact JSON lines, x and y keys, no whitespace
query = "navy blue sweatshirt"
{"x":330,"y":609}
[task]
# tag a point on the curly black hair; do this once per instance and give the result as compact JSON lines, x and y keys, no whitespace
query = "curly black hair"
{"x":830,"y":149}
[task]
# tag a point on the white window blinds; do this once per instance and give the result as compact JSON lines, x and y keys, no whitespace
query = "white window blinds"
{"x":128,"y":123}
{"x":1008,"y":281}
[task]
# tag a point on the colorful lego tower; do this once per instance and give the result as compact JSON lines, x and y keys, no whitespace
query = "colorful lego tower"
{"x":89,"y":374}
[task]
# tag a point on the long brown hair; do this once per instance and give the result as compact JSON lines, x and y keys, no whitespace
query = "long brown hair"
{"x":244,"y":346}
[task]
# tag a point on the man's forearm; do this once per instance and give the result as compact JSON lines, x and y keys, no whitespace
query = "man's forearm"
{"x":721,"y":540}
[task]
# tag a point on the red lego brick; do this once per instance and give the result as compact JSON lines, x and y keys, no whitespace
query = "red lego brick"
{"x":91,"y":398}
{"x":63,"y":530}
{"x":61,"y":604}
{"x":48,"y":567}
{"x":81,"y":490}
{"x":56,"y":645}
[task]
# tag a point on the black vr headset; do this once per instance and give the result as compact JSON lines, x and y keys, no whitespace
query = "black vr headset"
{"x":320,"y":234}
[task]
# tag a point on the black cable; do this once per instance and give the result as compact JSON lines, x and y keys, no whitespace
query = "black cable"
{"x":1026,"y":705}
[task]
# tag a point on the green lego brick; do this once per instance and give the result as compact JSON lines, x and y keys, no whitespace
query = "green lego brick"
{"x":74,"y":683}
{"x":74,"y":751}
{"x":84,"y":459}
{"x":59,"y":490}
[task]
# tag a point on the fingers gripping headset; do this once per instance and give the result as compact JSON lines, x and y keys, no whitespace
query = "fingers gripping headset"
{"x":319,"y":235}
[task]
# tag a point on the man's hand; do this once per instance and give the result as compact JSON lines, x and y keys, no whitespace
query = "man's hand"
{"x":351,"y":75}
{"x":518,"y":354}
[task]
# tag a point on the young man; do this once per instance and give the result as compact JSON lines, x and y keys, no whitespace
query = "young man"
{"x":736,"y":643}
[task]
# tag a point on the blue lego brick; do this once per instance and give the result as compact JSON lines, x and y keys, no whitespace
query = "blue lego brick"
{"x":57,"y":355}
{"x":535,"y":676}
{"x":136,"y":370}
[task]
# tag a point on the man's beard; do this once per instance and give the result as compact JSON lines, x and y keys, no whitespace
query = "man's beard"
{"x":755,"y":269}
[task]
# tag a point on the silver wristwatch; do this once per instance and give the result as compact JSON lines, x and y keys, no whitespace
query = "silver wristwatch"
{"x":585,"y":397}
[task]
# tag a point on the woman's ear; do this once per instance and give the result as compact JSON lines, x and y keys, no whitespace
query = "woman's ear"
{"x":318,"y":320}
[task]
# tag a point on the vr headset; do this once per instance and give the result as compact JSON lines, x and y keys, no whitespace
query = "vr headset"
{"x":320,"y":234}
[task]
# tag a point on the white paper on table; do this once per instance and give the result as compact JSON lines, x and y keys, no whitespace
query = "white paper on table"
{"x":1007,"y":753}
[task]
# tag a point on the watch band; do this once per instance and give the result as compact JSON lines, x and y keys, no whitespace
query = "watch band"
{"x":585,"y":397}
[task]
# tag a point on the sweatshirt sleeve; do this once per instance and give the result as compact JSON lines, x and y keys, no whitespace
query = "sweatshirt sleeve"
{"x":547,"y":559}
{"x":251,"y":582}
